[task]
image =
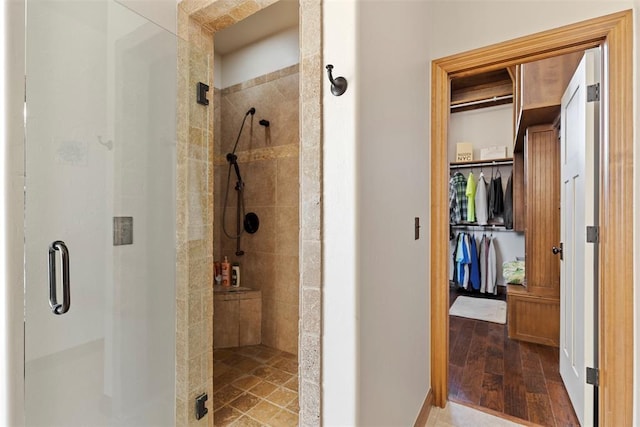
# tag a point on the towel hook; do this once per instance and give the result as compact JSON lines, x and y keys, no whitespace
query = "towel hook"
{"x":339,"y":85}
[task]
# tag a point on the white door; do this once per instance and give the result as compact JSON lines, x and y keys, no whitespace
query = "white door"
{"x":578,"y":188}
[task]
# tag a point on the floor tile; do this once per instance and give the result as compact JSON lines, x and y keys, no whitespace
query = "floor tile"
{"x":282,"y":397}
{"x":225,"y":416}
{"x":255,"y":386}
{"x":263,"y":411}
{"x":263,"y":389}
{"x":245,"y":402}
{"x":284,"y":418}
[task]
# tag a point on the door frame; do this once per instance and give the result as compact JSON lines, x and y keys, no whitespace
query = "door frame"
{"x":614,"y":33}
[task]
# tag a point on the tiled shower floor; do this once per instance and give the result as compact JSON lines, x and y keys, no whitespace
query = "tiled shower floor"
{"x":255,"y":386}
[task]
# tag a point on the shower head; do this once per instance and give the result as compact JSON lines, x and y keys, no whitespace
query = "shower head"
{"x":251,"y":111}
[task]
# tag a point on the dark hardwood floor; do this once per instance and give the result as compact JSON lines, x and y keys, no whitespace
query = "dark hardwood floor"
{"x":511,"y":377}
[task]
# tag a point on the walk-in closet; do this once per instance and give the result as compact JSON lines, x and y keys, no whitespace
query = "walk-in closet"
{"x":507,"y":217}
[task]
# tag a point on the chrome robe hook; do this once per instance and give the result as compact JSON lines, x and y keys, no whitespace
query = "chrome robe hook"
{"x":338,"y":85}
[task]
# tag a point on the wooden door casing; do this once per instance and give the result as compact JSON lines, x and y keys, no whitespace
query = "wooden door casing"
{"x":616,"y":312}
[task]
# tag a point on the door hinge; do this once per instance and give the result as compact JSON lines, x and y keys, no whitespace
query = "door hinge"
{"x":593,"y":234}
{"x":593,"y":92}
{"x":593,"y":376}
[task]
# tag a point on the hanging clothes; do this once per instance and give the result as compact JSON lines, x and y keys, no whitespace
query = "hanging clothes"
{"x":492,"y":270}
{"x":496,"y":203}
{"x":462,"y":261}
{"x":488,"y":267}
{"x":508,"y":204}
{"x":482,"y":210}
{"x":474,"y":269}
{"x":483,"y":263}
{"x":457,"y":198}
{"x":471,"y":198}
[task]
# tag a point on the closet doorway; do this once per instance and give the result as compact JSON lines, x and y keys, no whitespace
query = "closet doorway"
{"x":614,"y":33}
{"x":510,"y":367}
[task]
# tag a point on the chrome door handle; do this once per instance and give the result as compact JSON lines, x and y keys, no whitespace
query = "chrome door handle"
{"x":57,"y":308}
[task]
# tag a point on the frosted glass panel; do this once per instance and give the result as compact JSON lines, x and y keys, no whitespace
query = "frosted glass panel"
{"x":101,"y":144}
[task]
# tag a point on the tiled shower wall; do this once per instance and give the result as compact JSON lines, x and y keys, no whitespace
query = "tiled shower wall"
{"x":268,"y":160}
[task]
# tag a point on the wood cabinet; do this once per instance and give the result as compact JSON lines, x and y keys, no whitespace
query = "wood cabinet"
{"x":533,"y":318}
{"x":542,"y":192}
{"x":539,"y":89}
{"x":534,"y":310}
{"x":519,"y":199}
{"x":237,"y":319}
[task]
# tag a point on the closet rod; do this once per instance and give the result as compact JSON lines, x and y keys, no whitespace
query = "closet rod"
{"x":482,"y":163}
{"x":482,"y":101}
{"x":472,"y":227}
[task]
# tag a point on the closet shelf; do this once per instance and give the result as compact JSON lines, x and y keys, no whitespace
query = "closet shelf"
{"x":473,"y":164}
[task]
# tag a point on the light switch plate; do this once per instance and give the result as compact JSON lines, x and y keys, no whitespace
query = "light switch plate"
{"x":122,"y":230}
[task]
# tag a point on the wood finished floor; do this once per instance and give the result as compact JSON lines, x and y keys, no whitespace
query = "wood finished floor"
{"x":512,"y":377}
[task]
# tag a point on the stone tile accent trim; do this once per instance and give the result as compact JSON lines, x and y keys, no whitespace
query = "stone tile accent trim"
{"x":265,"y":78}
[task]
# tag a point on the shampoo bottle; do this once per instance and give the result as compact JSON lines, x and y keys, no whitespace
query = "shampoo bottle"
{"x":235,"y":274}
{"x":226,"y":272}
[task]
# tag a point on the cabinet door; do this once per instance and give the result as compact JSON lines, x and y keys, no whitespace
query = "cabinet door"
{"x":250,"y":321}
{"x":542,"y":158}
{"x":225,"y":327}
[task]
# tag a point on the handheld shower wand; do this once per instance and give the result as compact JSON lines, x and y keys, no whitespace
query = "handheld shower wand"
{"x":232,"y":158}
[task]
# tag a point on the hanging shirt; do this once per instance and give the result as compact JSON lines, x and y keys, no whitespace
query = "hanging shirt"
{"x":508,"y":204}
{"x":496,"y":204}
{"x":474,"y":269}
{"x":483,"y":263}
{"x":471,"y":197}
{"x":491,"y":268}
{"x":462,"y":261}
{"x":482,"y":211}
{"x":457,"y":198}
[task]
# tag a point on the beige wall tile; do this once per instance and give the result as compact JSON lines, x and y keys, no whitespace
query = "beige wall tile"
{"x":265,"y":239}
{"x":287,"y":231}
{"x":287,"y":280}
{"x":287,"y":181}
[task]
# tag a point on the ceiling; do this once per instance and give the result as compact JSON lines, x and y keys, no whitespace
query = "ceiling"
{"x":271,"y":20}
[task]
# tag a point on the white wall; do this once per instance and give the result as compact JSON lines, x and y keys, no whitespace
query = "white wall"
{"x":392,"y":330}
{"x":270,"y":54}
{"x":376,"y":151}
{"x":340,"y":306}
{"x":392,"y":161}
{"x":484,"y":127}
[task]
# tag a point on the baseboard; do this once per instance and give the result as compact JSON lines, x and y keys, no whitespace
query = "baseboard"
{"x":423,"y":416}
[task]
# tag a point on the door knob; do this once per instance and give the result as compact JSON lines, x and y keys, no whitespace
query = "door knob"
{"x":557,"y":250}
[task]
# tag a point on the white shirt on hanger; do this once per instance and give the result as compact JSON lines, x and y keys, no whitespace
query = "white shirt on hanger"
{"x":482,"y":206}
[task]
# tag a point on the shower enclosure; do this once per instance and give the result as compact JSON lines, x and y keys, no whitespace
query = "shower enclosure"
{"x":100,"y":215}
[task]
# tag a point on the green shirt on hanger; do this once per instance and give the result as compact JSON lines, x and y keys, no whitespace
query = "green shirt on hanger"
{"x":471,"y":198}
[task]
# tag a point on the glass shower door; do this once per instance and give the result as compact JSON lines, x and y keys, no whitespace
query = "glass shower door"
{"x":100,"y":197}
